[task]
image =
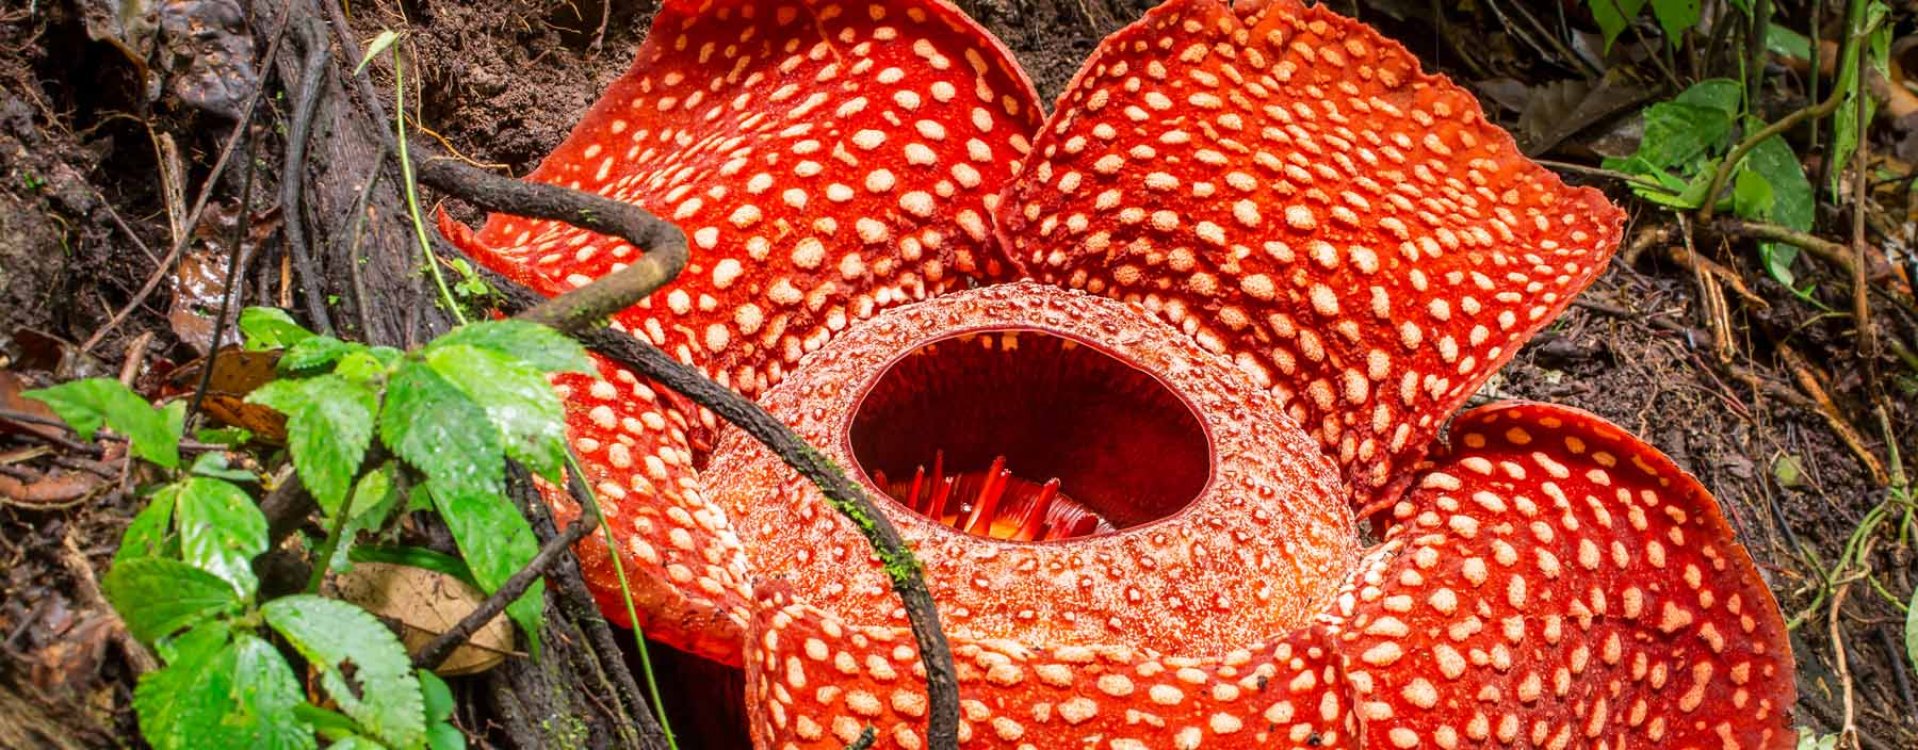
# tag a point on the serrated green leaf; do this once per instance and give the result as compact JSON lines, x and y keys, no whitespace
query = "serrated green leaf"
{"x":329,"y":425}
{"x":150,"y":532}
{"x":362,"y":665}
{"x":517,"y":399}
{"x":434,"y":426}
{"x":497,"y":541}
{"x":240,"y":696}
{"x":158,"y":597}
{"x":270,"y":328}
{"x":439,"y":430}
{"x":1680,"y":133}
{"x":315,"y":353}
{"x":356,"y":743}
{"x":1614,"y":16}
{"x":221,"y":530}
{"x":361,"y":367}
{"x":541,"y":347}
{"x":87,"y":404}
{"x":1676,"y":17}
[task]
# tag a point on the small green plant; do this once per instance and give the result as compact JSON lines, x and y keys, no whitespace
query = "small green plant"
{"x":362,"y":422}
{"x":1674,"y":16}
{"x":1684,"y":142}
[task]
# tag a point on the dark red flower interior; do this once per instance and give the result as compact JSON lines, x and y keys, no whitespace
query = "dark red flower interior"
{"x":1028,"y":435}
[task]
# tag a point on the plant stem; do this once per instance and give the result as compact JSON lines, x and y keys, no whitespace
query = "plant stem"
{"x":332,"y":543}
{"x":412,"y":192}
{"x":583,"y":493}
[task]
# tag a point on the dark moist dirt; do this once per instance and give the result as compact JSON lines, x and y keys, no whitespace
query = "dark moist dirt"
{"x":504,"y":82}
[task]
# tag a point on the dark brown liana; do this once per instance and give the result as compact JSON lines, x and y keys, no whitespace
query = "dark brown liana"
{"x":580,"y":313}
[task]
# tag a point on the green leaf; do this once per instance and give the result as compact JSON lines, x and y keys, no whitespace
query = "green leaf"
{"x":331,"y":724}
{"x":374,"y":498}
{"x":1614,"y":16}
{"x":439,"y":697}
{"x":228,"y":436}
{"x":362,"y":664}
{"x":1676,"y":17}
{"x":541,"y":347}
{"x":315,"y":353}
{"x":1680,"y":133}
{"x":1782,"y":40}
{"x":1722,"y":94}
{"x":356,"y":743}
{"x":148,"y":534}
{"x":444,"y":736}
{"x":240,"y":695}
{"x":434,"y":426}
{"x":270,"y":328}
{"x":158,"y":597}
{"x":418,"y":557}
{"x":386,"y":39}
{"x":1771,"y":186}
{"x":221,"y":530}
{"x":361,"y":367}
{"x":329,"y":425}
{"x":86,"y":404}
{"x":214,"y":465}
{"x":1877,"y":55}
{"x":497,"y":541}
{"x":517,"y":398}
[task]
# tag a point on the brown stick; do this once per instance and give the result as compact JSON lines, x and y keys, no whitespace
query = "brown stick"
{"x":435,"y":651}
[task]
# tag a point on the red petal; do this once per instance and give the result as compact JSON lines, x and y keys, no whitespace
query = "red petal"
{"x":1555,"y":582}
{"x":814,"y":682}
{"x":1265,"y":501}
{"x":826,"y":160}
{"x":1291,"y":190}
{"x":682,"y":560}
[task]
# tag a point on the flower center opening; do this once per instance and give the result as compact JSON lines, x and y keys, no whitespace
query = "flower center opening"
{"x":1029,"y":436}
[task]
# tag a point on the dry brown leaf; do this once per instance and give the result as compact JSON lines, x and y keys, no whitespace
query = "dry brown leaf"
{"x":236,"y":372}
{"x":427,"y":603}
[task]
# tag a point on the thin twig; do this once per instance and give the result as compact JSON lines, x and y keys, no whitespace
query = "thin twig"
{"x":578,"y":313}
{"x":435,"y":651}
{"x":227,"y":294}
{"x":240,"y":130}
{"x":319,"y":59}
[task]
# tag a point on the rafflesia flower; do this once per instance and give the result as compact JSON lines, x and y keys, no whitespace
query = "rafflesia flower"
{"x":1131,"y":376}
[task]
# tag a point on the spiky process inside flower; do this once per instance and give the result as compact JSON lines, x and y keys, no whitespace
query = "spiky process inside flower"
{"x":1270,"y":259}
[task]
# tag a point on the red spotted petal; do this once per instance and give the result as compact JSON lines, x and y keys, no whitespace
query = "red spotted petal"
{"x":1290,"y":189}
{"x":814,"y":682}
{"x":1554,"y":582}
{"x":683,"y":563}
{"x":826,"y":160}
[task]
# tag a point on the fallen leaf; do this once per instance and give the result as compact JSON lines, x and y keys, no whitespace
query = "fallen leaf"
{"x":236,"y":372}
{"x":427,"y":603}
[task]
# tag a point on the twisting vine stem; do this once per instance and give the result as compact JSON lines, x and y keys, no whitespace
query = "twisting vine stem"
{"x":579,"y":313}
